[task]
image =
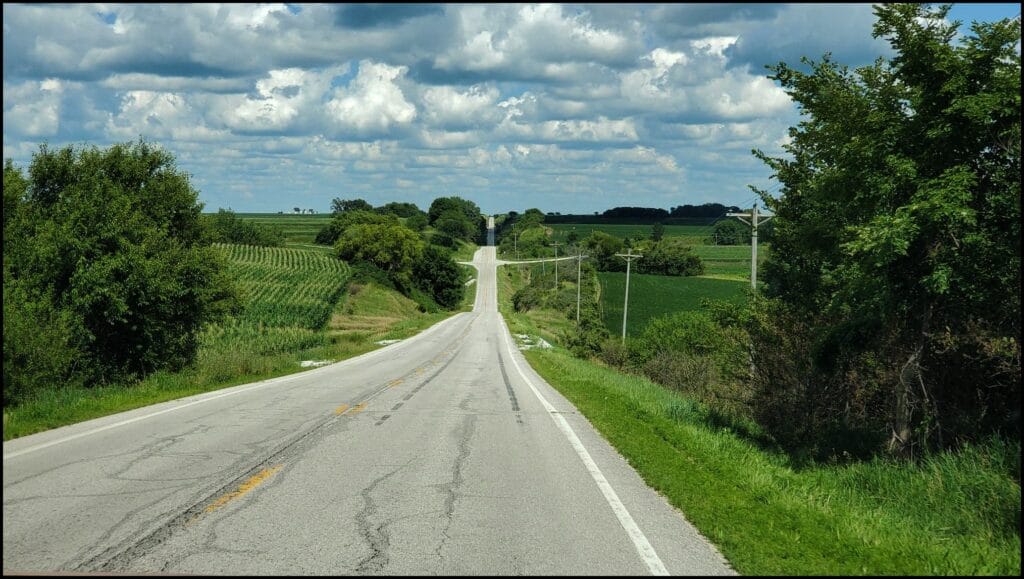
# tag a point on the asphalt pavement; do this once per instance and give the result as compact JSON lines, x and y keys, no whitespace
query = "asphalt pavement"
{"x":444,"y":453}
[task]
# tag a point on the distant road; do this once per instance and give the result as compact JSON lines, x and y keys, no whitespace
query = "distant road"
{"x":443,"y":453}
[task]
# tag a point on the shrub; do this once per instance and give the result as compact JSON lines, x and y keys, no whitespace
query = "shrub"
{"x":112,"y":243}
{"x":614,"y":353}
{"x":225,"y":227}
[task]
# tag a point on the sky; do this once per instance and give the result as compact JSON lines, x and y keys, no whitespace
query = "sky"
{"x":573,"y":108}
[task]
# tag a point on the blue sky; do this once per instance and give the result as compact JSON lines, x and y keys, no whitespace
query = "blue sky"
{"x":566,"y":107}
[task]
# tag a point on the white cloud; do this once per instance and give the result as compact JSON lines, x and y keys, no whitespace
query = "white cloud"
{"x":549,"y":105}
{"x":373,"y":102}
{"x":449,"y":107}
{"x":32,"y":109}
{"x":158,"y":115}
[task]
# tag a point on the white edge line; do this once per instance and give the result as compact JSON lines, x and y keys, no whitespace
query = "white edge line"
{"x":643,"y":546}
{"x":256,"y":386}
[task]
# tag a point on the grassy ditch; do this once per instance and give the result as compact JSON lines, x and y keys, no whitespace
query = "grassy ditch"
{"x":952,"y":513}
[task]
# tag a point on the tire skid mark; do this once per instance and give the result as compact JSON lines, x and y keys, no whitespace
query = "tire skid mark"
{"x":508,"y":386}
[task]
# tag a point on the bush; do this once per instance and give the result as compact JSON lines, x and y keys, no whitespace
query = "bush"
{"x":614,"y":353}
{"x":440,"y":277}
{"x":225,"y":227}
{"x":443,"y":240}
{"x":111,"y":259}
{"x":670,"y":257}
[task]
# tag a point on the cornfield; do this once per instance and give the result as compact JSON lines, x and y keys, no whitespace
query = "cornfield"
{"x":287,"y":295}
{"x":285,"y":287}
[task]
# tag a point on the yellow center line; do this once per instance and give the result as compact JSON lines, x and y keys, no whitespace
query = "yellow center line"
{"x":358,"y":408}
{"x":341,"y":409}
{"x":244,"y":488}
{"x":394,"y":383}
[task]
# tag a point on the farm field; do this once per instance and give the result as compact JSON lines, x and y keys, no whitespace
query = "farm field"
{"x":729,"y":260}
{"x":651,"y":296}
{"x":693,"y":233}
{"x":296,"y":228}
{"x":288,"y":295}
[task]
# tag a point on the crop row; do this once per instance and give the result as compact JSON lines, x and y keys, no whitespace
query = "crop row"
{"x":285,"y":287}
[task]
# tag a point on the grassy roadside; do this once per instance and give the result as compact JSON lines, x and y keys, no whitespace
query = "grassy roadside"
{"x":360,"y":319}
{"x":955,"y":513}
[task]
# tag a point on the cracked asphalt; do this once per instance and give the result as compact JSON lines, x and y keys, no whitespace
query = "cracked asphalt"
{"x":429,"y":456}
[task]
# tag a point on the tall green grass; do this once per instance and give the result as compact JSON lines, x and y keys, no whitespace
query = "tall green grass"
{"x":954,"y":513}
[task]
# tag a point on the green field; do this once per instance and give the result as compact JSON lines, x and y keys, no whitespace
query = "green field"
{"x":284,"y":287}
{"x":729,"y":260}
{"x":296,"y":228}
{"x":692,"y":233}
{"x":651,"y":296}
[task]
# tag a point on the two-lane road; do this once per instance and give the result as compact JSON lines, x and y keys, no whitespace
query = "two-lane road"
{"x":444,"y":453}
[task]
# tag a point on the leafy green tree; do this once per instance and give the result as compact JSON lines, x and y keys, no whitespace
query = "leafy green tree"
{"x":339,"y":205}
{"x":602,"y":247}
{"x":669,"y":257}
{"x":533,"y":243}
{"x":731,"y":232}
{"x":897,"y":237}
{"x":438,"y":274}
{"x":657,"y":231}
{"x":443,"y":204}
{"x":454,"y":223}
{"x":397,"y":209}
{"x":108,"y":255}
{"x":393,"y":248}
{"x":226,"y":227}
{"x":328,"y":234}
{"x":417,"y":222}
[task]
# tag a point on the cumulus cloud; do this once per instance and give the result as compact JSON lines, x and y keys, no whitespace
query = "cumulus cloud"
{"x":564,"y":107}
{"x":32,"y":109}
{"x":373,"y":103}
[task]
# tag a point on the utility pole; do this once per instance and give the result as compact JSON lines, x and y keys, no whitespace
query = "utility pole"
{"x":555,"y":245}
{"x":515,"y":240}
{"x":755,"y":219}
{"x":579,"y":282}
{"x":629,"y":256}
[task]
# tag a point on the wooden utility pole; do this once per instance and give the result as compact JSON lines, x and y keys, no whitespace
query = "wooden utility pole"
{"x":629,"y":256}
{"x":579,"y":282}
{"x":755,"y":219}
{"x":555,"y":245}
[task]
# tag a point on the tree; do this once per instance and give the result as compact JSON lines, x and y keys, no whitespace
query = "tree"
{"x":897,"y":237}
{"x":400,"y":209}
{"x":438,"y":274}
{"x":669,"y":257}
{"x":296,"y":209}
{"x":657,"y":231}
{"x":454,"y":223}
{"x":730,"y":232}
{"x":107,"y":260}
{"x":602,"y":247}
{"x":330,"y":233}
{"x":391,"y":247}
{"x":339,"y":205}
{"x":442,"y":205}
{"x":226,"y":227}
